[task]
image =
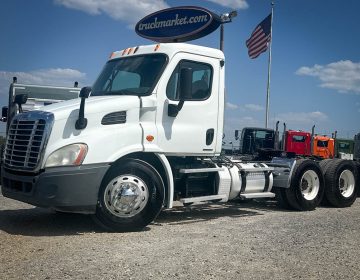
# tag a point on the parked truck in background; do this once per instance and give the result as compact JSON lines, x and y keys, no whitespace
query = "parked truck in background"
{"x":357,"y":155}
{"x":357,"y":147}
{"x":323,"y":146}
{"x":254,"y":138}
{"x":297,"y":142}
{"x":36,"y":96}
{"x":344,"y":148}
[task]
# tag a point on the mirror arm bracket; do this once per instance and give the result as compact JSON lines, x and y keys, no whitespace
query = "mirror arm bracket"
{"x":174,"y":109}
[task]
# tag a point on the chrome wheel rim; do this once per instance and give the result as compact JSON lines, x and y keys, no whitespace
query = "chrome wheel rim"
{"x":346,"y":183}
{"x":310,"y":185}
{"x":126,"y":196}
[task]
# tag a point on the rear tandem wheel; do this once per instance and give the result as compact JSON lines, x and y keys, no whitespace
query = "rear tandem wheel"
{"x":341,"y":183}
{"x":306,"y":187}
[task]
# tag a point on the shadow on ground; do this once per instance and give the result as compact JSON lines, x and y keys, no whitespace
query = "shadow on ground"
{"x":45,"y":222}
{"x":202,"y":212}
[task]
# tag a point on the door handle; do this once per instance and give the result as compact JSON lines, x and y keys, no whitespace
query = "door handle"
{"x":209,"y":136}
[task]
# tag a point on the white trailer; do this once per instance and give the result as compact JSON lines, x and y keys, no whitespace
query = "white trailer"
{"x":149,"y":132}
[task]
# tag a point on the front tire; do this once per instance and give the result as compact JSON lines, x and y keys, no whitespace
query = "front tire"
{"x":130,"y":197}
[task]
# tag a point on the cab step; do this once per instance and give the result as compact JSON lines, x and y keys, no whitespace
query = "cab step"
{"x":257,"y":195}
{"x":201,"y":170}
{"x":203,"y":198}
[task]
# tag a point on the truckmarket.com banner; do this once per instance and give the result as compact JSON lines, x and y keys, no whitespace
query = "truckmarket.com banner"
{"x":173,"y":22}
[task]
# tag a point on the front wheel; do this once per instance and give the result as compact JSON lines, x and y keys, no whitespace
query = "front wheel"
{"x":130,"y":197}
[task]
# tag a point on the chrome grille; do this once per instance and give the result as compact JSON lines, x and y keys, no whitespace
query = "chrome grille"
{"x":26,"y":137}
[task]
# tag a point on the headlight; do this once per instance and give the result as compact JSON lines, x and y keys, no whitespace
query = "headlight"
{"x":73,"y":154}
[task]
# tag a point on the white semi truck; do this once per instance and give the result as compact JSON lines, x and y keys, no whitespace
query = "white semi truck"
{"x":148,"y":133}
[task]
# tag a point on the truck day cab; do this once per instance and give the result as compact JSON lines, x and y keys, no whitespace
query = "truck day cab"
{"x":149,"y":132}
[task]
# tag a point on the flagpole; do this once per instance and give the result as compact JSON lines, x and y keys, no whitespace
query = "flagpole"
{"x":269,"y":70}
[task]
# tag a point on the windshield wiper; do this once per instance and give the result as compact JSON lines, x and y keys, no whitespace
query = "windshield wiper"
{"x":115,"y":92}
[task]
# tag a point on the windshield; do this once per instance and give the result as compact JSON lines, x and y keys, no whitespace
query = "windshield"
{"x":135,"y":75}
{"x":322,"y":143}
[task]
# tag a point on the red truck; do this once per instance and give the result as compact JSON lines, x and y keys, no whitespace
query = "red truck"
{"x":298,"y":142}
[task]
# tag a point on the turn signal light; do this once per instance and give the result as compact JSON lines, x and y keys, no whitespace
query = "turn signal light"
{"x":150,"y":138}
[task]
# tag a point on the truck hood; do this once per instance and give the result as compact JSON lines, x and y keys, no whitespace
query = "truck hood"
{"x":93,"y":105}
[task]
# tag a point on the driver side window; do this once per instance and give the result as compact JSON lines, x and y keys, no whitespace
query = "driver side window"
{"x":201,"y":80}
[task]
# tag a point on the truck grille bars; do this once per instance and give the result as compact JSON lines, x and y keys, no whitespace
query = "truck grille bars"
{"x":27,"y":135}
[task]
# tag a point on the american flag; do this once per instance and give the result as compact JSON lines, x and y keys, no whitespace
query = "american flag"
{"x":259,"y":39}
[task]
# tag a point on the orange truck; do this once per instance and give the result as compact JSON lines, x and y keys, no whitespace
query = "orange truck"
{"x":323,"y":146}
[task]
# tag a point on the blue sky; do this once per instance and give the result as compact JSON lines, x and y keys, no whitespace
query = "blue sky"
{"x":316,"y":56}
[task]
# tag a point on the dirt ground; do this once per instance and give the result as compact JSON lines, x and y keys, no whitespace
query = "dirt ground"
{"x":241,"y":240}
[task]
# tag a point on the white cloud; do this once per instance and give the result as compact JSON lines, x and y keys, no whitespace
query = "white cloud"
{"x":130,"y":11}
{"x":246,"y":107}
{"x":248,"y":121}
{"x":299,"y":118}
{"x":231,"y":106}
{"x":343,"y":76}
{"x":52,"y":76}
{"x":235,"y":4}
{"x":254,"y":107}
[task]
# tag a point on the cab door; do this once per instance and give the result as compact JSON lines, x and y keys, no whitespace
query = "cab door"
{"x":193,"y":130}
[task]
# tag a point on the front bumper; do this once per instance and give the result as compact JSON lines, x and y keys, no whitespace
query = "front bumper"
{"x":68,"y":189}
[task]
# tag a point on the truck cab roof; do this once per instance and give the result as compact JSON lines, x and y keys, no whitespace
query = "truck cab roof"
{"x":170,"y":49}
{"x":298,"y":132}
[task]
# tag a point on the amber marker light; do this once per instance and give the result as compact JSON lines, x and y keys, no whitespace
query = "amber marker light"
{"x":157,"y":47}
{"x":81,"y":156}
{"x":150,"y":138}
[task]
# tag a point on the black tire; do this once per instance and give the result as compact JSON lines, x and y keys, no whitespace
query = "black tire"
{"x":341,"y":186}
{"x":281,"y":198}
{"x":358,"y":177}
{"x":2,"y":150}
{"x":145,"y":188}
{"x":324,"y":164}
{"x":306,"y":174}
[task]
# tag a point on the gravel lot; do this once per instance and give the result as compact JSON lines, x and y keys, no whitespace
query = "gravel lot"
{"x":242,"y":240}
